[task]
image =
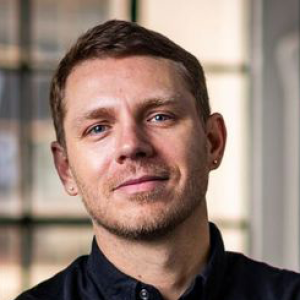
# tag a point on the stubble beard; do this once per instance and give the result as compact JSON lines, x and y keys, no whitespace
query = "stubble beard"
{"x":182,"y":202}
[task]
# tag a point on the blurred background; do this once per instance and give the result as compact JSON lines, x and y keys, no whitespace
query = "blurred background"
{"x":250,"y":52}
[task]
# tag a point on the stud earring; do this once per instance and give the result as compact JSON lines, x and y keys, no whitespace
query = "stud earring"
{"x":215,"y":161}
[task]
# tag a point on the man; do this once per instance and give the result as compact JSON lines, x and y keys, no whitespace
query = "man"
{"x":136,"y":140}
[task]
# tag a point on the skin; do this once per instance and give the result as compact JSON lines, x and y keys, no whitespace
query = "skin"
{"x":139,"y":156}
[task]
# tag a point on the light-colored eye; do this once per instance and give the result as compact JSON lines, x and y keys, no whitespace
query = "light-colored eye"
{"x":98,"y":129}
{"x":160,"y":118}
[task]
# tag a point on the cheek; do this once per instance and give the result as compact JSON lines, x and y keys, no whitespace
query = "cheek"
{"x":90,"y":163}
{"x":185,"y":147}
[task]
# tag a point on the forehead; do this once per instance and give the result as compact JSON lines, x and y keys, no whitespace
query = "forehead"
{"x":131,"y":78}
{"x":121,"y":68}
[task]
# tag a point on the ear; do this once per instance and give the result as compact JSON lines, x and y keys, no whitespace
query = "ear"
{"x":63,"y":168}
{"x":216,"y":138}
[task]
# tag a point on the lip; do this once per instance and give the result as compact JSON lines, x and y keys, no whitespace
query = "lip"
{"x":141,"y":180}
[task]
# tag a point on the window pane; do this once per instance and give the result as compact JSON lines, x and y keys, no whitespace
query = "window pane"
{"x":57,"y":24}
{"x":9,"y":96}
{"x":10,"y":270}
{"x":48,"y":258}
{"x":213,"y":30}
{"x":119,"y":9}
{"x":228,"y":188}
{"x":235,"y":239}
{"x":9,"y":147}
{"x":8,"y":31}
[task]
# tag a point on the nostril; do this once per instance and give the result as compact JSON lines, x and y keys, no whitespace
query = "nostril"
{"x":140,"y":154}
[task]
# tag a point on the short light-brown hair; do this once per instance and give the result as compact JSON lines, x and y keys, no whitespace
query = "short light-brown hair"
{"x":120,"y":39}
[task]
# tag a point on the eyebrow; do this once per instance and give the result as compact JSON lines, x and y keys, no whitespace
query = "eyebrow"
{"x":93,"y":114}
{"x":159,"y":101}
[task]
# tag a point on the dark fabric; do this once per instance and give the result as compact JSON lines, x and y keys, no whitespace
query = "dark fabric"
{"x":227,"y":276}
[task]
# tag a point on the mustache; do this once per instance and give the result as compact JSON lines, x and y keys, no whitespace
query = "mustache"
{"x":137,"y":169}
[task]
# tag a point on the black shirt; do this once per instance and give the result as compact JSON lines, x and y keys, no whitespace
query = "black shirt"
{"x":227,"y":276}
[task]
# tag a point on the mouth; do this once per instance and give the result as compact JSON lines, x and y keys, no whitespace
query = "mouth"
{"x":143,"y":183}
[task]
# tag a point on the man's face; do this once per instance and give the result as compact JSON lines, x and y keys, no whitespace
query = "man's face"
{"x":136,"y":148}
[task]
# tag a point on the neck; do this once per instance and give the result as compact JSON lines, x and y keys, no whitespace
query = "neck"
{"x":170,"y":264}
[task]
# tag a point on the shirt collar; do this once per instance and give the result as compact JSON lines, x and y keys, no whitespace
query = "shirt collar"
{"x":108,"y":279}
{"x":115,"y":284}
{"x":214,"y":271}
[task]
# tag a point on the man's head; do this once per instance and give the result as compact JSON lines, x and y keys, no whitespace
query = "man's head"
{"x":135,"y":150}
{"x":123,"y":39}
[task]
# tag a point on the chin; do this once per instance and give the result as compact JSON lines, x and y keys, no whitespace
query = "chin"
{"x":145,"y":222}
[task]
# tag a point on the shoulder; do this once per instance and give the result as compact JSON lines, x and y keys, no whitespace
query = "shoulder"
{"x":261,"y":279}
{"x":55,"y":287}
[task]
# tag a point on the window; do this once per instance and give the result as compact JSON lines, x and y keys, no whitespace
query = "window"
{"x":36,"y":215}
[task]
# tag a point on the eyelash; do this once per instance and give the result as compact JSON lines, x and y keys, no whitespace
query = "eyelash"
{"x":91,"y":131}
{"x":166,"y":117}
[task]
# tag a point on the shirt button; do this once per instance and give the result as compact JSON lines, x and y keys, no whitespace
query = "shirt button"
{"x":144,"y":294}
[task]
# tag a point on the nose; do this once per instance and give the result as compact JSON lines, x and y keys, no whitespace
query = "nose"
{"x":132,"y":144}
